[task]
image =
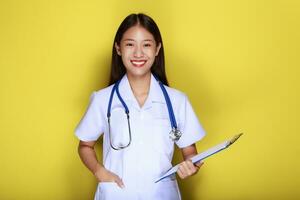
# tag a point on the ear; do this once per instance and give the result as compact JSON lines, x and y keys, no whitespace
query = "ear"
{"x":118,"y":49}
{"x":157,"y":49}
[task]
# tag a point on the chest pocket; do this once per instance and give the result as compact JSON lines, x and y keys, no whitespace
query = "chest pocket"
{"x":161,"y":128}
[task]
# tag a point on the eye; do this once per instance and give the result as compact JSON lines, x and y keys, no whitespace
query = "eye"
{"x":129,"y":44}
{"x":147,"y":45}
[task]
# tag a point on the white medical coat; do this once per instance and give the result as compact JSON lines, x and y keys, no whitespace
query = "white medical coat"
{"x":151,"y":150}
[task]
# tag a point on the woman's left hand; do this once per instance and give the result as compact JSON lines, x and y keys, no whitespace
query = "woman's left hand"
{"x":187,"y":168}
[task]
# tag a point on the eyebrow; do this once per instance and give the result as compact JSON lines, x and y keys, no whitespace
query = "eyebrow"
{"x":128,"y":40}
{"x":134,"y":40}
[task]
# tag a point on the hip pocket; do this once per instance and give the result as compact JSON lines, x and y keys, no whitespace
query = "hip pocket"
{"x":109,"y":191}
{"x":167,"y":189}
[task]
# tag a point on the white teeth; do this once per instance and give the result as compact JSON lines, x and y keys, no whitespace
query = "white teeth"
{"x":138,"y":62}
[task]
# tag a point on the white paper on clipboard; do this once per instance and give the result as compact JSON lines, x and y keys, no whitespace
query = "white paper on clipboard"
{"x":203,"y":155}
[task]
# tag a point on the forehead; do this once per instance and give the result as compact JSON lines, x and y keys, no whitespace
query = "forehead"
{"x":137,"y":33}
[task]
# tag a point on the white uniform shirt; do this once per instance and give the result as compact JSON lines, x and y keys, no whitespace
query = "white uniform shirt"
{"x":151,"y":150}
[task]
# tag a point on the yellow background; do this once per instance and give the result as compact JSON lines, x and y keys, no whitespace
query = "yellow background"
{"x":236,"y":60}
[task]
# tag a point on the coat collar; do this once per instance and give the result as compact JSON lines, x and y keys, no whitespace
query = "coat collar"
{"x":155,"y":93}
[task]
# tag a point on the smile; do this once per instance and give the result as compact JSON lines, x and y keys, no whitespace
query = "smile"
{"x":138,"y":63}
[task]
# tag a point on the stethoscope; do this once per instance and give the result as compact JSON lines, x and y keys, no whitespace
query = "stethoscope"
{"x":174,"y":134}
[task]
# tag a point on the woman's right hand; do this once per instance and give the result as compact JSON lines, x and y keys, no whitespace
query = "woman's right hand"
{"x":104,"y":175}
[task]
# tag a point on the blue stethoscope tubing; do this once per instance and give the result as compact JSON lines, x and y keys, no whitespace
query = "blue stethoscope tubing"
{"x":174,"y":134}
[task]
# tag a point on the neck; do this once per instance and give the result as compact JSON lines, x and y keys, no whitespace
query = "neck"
{"x":139,"y":84}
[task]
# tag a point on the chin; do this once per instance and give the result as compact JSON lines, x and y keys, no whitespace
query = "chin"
{"x":138,"y":72}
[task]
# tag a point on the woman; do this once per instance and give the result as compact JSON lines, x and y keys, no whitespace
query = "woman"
{"x":135,"y":115}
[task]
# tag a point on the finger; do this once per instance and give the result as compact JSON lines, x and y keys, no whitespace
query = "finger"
{"x":191,"y":166}
{"x":180,"y":173}
{"x":119,"y":182}
{"x":187,"y":169}
{"x":183,"y":171}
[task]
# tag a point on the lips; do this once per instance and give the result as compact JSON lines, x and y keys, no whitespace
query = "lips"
{"x":138,"y":63}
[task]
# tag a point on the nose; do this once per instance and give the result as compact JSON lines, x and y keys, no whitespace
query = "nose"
{"x":138,"y":52}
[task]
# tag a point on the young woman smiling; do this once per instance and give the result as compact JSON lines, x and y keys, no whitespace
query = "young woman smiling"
{"x":140,"y":118}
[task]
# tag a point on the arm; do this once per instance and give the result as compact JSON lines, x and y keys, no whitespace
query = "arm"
{"x":187,"y":168}
{"x":88,"y":156}
{"x":189,"y":151}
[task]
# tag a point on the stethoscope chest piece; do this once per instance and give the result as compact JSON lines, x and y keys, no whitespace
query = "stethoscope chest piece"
{"x":175,"y":134}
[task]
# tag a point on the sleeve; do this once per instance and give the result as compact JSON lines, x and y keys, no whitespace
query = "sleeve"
{"x":189,"y":125}
{"x":91,"y":125}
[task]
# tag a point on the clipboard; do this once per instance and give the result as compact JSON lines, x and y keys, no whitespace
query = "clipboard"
{"x":203,"y":155}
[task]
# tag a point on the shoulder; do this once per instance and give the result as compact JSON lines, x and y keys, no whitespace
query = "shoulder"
{"x":102,"y":94}
{"x":176,"y":94}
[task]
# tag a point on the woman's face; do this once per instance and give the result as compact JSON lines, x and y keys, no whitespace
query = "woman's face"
{"x":138,"y":50}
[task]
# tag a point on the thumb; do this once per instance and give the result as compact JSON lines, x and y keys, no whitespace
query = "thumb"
{"x":199,"y":164}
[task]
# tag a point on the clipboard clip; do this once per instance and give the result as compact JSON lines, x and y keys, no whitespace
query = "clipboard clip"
{"x":230,"y":142}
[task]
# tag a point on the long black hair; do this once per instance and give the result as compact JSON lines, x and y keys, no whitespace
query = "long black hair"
{"x":117,"y":67}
